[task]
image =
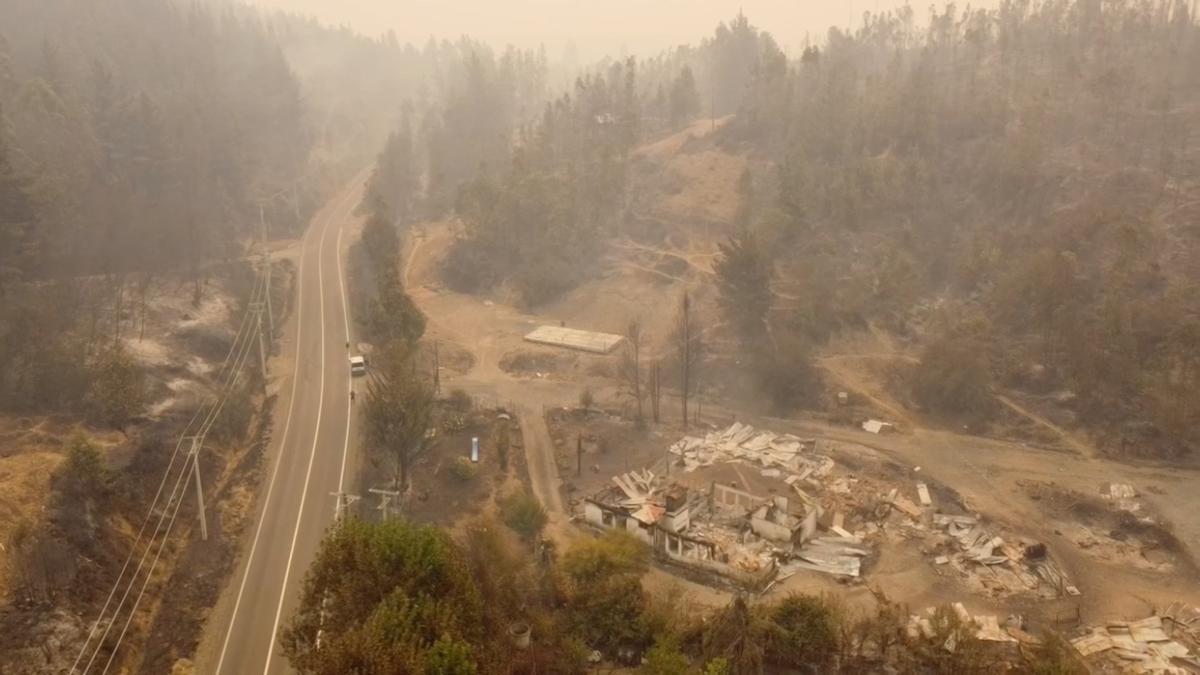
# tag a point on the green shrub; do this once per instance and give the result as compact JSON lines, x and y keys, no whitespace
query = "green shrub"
{"x":448,"y":656}
{"x":463,"y":469}
{"x":524,"y":514}
{"x":664,"y":658}
{"x":808,"y":631}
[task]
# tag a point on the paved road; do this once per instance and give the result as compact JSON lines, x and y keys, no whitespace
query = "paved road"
{"x":309,"y":448}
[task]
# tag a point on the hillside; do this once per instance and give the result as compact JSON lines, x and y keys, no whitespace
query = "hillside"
{"x":1012,"y":195}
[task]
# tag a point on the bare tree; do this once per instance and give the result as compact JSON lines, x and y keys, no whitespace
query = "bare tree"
{"x":655,"y":392}
{"x":631,"y":365}
{"x":690,"y":351}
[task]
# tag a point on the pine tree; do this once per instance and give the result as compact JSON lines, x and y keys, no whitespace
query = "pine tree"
{"x":16,"y":221}
{"x":744,"y":274}
{"x":685,"y":98}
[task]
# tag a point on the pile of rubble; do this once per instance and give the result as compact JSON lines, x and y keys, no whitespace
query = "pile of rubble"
{"x":998,"y":567}
{"x":828,"y":522}
{"x":1122,"y":495}
{"x":839,"y":555}
{"x":986,"y":626}
{"x":744,"y":442}
{"x":1163,"y":643}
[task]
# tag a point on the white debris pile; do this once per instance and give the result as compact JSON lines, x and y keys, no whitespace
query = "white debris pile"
{"x":742,"y":442}
{"x":999,"y":567}
{"x":987,"y":626}
{"x":1122,"y":495}
{"x":878,"y":427}
{"x":836,"y":555}
{"x":1163,"y":643}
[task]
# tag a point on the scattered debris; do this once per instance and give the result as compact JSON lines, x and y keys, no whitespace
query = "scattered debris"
{"x":996,"y":567}
{"x":1122,"y":495}
{"x":878,"y":427}
{"x":906,"y":506}
{"x":744,"y":442}
{"x":923,"y":495}
{"x":1162,"y":643}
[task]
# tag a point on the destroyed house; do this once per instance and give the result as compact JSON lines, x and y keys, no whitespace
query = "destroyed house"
{"x":774,"y":521}
{"x":727,"y":532}
{"x":608,"y":510}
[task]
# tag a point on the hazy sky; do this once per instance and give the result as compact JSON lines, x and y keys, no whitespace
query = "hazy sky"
{"x":596,"y":26}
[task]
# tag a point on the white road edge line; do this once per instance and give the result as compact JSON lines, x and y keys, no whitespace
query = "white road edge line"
{"x":349,"y":376}
{"x":287,"y":424}
{"x":279,"y":458}
{"x":312,"y":454}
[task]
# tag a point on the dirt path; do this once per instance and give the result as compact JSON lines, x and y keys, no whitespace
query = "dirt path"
{"x":1084,"y":449}
{"x":488,"y":331}
{"x":841,"y":367}
{"x":539,"y":456}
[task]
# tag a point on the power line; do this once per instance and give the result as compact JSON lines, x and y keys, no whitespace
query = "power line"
{"x":178,"y":502}
{"x":229,"y":370}
{"x":213,"y":409}
{"x":150,"y":512}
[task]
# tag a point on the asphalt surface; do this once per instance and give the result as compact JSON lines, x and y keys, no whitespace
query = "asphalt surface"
{"x":309,"y":456}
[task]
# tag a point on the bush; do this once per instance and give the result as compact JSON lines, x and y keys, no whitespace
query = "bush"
{"x":84,"y":474}
{"x":718,"y":666}
{"x":502,"y":443}
{"x":615,"y":553}
{"x":605,"y":614}
{"x":118,"y":391}
{"x":954,"y":378}
{"x":786,"y":374}
{"x":524,"y":514}
{"x":81,"y":493}
{"x":460,"y":400}
{"x":586,"y":399}
{"x":463,"y":469}
{"x":664,"y":658}
{"x":454,"y":424}
{"x":808,"y":631}
{"x":449,"y":657}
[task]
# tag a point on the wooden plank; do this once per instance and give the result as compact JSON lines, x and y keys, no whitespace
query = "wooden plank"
{"x":923,"y":494}
{"x":906,"y":506}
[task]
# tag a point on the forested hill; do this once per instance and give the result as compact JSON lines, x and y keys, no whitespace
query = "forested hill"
{"x":145,"y":131}
{"x":137,"y":140}
{"x":1015,"y":190}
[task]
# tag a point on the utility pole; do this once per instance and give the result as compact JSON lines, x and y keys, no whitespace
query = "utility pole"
{"x":437,"y":371}
{"x":685,"y":352}
{"x":343,"y":503}
{"x":270,"y":312}
{"x":195,"y":455}
{"x":262,"y":226}
{"x":385,"y":500}
{"x":257,"y":308}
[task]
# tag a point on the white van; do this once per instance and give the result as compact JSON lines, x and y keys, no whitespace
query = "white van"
{"x":358,"y":365}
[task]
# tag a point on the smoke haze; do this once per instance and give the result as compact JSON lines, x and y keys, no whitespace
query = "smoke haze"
{"x":596,"y":28}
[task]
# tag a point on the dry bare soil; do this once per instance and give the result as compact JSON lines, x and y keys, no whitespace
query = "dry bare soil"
{"x":1028,"y":474}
